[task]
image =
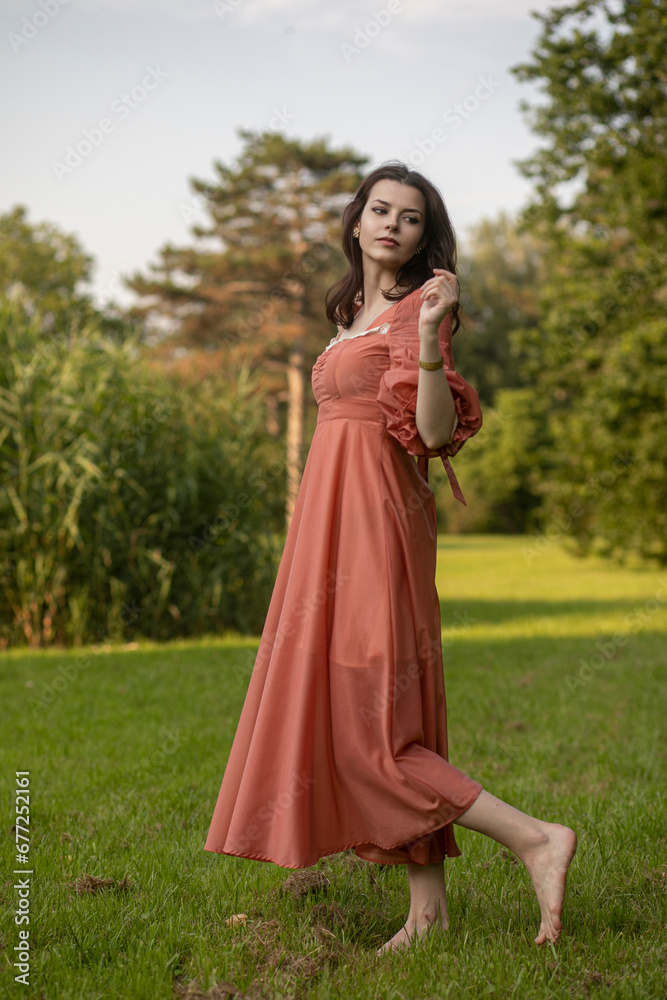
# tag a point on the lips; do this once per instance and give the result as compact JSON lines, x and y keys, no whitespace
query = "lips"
{"x":388,"y":241}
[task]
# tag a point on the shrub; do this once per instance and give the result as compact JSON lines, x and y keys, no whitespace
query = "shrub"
{"x":130,"y":505}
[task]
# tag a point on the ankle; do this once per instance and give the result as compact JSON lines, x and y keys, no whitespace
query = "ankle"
{"x":535,"y":842}
{"x":427,"y":914}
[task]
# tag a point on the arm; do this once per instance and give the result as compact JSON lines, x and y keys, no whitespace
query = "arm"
{"x":435,"y":413}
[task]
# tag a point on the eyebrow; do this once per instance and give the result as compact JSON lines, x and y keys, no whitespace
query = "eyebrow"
{"x":405,"y":209}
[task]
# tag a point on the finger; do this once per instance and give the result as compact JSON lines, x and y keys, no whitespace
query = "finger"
{"x":448,"y":277}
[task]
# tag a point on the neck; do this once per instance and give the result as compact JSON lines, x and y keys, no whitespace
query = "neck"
{"x":377,"y":278}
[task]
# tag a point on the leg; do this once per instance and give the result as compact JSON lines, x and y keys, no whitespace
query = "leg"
{"x":546,"y":850}
{"x":428,"y":905}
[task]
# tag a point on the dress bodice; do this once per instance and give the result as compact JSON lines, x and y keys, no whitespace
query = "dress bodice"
{"x":351,"y":368}
{"x":373,"y":376}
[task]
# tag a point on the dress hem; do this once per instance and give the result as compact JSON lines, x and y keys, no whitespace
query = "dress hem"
{"x":358,"y":843}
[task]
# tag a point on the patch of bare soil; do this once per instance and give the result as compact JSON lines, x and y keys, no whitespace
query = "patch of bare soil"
{"x":92,"y":884}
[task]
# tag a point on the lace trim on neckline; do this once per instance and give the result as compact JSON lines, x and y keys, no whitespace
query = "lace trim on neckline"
{"x":341,"y":340}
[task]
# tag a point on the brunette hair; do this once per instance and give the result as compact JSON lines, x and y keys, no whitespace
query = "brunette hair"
{"x":438,"y":242}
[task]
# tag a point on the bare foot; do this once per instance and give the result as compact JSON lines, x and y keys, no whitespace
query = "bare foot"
{"x":410,"y":930}
{"x":547,"y":865}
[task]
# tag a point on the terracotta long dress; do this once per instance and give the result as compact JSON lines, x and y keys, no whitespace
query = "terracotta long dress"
{"x":342,"y":740}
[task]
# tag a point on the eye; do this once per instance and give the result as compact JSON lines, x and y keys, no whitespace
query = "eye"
{"x":377,"y":208}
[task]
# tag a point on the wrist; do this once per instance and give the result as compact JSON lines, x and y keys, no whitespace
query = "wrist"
{"x":428,"y":335}
{"x":428,"y":330}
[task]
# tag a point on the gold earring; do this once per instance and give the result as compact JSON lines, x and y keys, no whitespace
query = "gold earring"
{"x":356,"y":231}
{"x":418,"y":248}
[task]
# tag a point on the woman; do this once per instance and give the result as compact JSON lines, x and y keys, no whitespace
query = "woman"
{"x":342,"y":741}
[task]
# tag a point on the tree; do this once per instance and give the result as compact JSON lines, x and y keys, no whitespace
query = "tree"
{"x":603,"y":120}
{"x":42,"y":270}
{"x":502,"y":469}
{"x":599,"y":350}
{"x":500,"y":272}
{"x":255,"y":289}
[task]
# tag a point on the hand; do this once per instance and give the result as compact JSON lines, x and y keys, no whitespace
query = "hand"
{"x":438,"y":295}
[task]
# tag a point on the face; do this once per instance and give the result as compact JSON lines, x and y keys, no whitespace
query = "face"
{"x":397,"y":211}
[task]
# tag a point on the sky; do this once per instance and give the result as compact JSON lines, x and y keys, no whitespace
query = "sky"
{"x":110,"y":106}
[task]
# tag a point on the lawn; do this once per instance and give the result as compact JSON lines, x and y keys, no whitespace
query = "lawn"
{"x":555,"y":677}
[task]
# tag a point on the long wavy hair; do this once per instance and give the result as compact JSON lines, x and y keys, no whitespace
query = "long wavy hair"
{"x":438,"y":242}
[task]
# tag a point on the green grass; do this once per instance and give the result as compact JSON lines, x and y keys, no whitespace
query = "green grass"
{"x":127,"y":758}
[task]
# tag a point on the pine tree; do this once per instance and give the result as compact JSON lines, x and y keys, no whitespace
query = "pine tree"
{"x":253,"y":287}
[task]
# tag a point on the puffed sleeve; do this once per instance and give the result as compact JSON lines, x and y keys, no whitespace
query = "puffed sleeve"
{"x":397,"y":394}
